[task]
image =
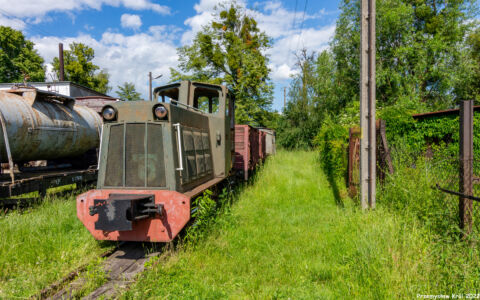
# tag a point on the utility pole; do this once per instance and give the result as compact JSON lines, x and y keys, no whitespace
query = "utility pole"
{"x":368,"y":159}
{"x":150,"y":79}
{"x":284,"y":97}
{"x":60,"y":62}
{"x":149,"y":86}
{"x":466,"y":166}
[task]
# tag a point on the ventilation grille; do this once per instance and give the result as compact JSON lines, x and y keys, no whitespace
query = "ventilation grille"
{"x":135,"y":156}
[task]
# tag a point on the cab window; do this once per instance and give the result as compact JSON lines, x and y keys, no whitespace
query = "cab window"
{"x":168,"y":94}
{"x":206,"y":99}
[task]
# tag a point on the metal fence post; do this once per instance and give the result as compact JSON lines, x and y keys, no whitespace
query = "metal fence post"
{"x":466,"y":165}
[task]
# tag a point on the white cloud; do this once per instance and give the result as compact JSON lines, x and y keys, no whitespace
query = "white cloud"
{"x":282,"y":72}
{"x":196,"y":23}
{"x":142,"y":5}
{"x":131,"y":57}
{"x":312,"y":39}
{"x":205,"y":13}
{"x":131,"y":21}
{"x":126,"y":58}
{"x":12,"y":22}
{"x":38,"y":8}
{"x":277,"y":22}
{"x":290,"y":35}
{"x":206,"y":5}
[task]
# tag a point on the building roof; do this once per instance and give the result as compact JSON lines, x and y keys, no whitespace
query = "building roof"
{"x":56,"y":83}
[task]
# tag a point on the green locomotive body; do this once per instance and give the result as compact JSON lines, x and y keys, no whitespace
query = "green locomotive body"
{"x":155,"y":157}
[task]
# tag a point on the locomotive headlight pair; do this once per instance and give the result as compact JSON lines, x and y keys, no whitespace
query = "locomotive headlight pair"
{"x":160,"y":111}
{"x":109,"y":113}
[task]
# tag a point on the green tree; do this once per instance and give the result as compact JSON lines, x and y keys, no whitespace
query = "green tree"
{"x":468,"y":82}
{"x":80,"y":69}
{"x":231,"y":50}
{"x":311,"y":96}
{"x":128,"y":92}
{"x":18,"y":59}
{"x":420,"y":52}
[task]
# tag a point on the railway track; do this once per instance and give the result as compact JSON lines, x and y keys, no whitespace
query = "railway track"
{"x":121,"y":266}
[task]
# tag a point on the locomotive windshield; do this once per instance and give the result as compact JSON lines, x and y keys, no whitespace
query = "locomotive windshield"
{"x":206,"y":99}
{"x":169,"y":93}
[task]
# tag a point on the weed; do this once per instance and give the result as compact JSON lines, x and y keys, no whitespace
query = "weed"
{"x":42,"y":244}
{"x":285,"y":237}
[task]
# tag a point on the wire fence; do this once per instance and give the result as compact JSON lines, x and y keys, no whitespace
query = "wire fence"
{"x":457,"y":186}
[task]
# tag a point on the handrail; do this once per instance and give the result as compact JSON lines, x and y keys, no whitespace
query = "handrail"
{"x":100,"y":148}
{"x":179,"y":143}
{"x":188,"y":106}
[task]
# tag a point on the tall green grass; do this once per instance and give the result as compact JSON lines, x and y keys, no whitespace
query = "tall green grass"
{"x":285,"y":237}
{"x":40,"y":245}
{"x":409,"y":194}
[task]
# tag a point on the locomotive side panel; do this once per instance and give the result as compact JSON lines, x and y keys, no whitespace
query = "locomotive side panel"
{"x":196,"y":154}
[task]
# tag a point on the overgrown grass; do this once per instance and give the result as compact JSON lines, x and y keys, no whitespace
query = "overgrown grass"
{"x":409,"y":193}
{"x":285,"y":237}
{"x":40,"y":245}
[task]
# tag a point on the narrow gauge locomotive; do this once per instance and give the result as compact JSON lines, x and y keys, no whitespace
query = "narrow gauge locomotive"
{"x":155,"y":157}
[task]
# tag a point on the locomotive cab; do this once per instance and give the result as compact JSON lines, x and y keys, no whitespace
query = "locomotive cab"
{"x":155,"y":157}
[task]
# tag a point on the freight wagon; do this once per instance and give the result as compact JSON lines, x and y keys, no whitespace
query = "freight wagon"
{"x":252,"y":146}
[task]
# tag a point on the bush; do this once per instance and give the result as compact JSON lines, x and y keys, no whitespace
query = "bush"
{"x":331,"y":141}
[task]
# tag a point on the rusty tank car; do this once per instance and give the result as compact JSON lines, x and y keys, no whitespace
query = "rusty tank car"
{"x":155,"y":157}
{"x":47,"y":140}
{"x":41,"y":125}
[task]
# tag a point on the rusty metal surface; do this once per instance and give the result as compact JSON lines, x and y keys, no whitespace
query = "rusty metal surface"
{"x":384,"y":161}
{"x":162,"y":228}
{"x":445,"y":112}
{"x":43,"y":125}
{"x":254,"y":147}
{"x":270,"y":147}
{"x":95,"y":102}
{"x":353,"y":179}
{"x":242,"y":159}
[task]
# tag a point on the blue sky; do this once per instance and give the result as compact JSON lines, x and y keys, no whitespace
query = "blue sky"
{"x":133,"y":37}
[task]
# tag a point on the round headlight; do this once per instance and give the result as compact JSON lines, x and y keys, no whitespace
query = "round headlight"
{"x":160,"y":112}
{"x":108,"y":113}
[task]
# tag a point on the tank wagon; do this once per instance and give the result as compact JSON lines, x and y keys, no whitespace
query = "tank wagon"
{"x":44,"y":126}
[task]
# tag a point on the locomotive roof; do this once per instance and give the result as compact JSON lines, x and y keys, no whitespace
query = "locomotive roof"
{"x":197,"y":83}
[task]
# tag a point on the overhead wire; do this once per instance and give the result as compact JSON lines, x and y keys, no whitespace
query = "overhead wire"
{"x":292,"y":29}
{"x":301,"y":26}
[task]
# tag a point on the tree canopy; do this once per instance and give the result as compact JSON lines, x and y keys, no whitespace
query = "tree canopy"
{"x":128,"y":92}
{"x":79,"y":68}
{"x":427,"y":59}
{"x":18,"y":58}
{"x":231,"y":50}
